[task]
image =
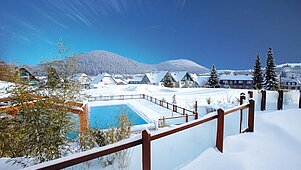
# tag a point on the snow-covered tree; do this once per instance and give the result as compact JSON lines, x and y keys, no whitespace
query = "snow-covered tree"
{"x":213,"y":80}
{"x":257,"y":74}
{"x":270,"y":74}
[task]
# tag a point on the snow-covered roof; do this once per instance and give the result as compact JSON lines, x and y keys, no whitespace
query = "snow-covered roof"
{"x":178,"y":76}
{"x":284,"y":80}
{"x":201,"y":80}
{"x":137,"y":78}
{"x":156,"y":77}
{"x":78,"y":75}
{"x":235,"y":77}
{"x":99,"y":77}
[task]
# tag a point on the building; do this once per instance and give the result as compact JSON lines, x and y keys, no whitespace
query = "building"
{"x":83,"y":79}
{"x":136,"y":80}
{"x":26,"y":76}
{"x":167,"y":79}
{"x":155,"y":78}
{"x":236,"y":81}
{"x":102,"y":79}
{"x":200,"y":81}
{"x":182,"y":79}
{"x":290,"y":78}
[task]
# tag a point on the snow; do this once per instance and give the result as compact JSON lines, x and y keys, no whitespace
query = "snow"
{"x":136,"y":79}
{"x":156,"y":77}
{"x":274,"y":145}
{"x":178,"y":76}
{"x":235,"y":77}
{"x":289,"y":64}
{"x":276,"y":137}
{"x":3,"y":86}
{"x":100,"y":77}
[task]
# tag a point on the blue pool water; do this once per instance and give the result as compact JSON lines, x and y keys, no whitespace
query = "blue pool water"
{"x":102,"y":117}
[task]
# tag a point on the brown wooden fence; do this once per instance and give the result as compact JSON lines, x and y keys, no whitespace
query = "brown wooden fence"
{"x":146,"y":138}
{"x":81,"y":109}
{"x":280,"y":99}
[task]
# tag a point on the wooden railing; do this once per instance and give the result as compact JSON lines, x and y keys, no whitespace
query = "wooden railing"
{"x":146,"y":138}
{"x":81,"y":109}
{"x":279,"y":100}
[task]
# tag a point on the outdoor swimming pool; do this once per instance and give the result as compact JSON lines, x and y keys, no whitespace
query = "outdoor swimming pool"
{"x":102,"y":116}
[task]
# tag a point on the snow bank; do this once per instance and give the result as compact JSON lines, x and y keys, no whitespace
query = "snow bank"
{"x":274,"y":145}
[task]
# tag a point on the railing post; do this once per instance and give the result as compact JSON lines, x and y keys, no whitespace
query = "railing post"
{"x":250,"y":94}
{"x":196,"y":110}
{"x":220,"y":130}
{"x":196,"y":116}
{"x":241,"y":98}
{"x":263,"y":100}
{"x":15,"y":112}
{"x":146,"y":150}
{"x":175,"y":108}
{"x":83,"y":119}
{"x":186,"y":118}
{"x":183,"y":111}
{"x":300,"y":100}
{"x":167,"y":104}
{"x":251,"y":115}
{"x":280,"y":99}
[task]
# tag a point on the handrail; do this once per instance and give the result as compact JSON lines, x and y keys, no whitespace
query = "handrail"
{"x":182,"y":127}
{"x":234,"y":109}
{"x":88,"y":155}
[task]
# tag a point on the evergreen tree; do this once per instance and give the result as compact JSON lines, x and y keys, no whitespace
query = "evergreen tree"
{"x":213,"y":81}
{"x":257,"y":74}
{"x":270,"y":74}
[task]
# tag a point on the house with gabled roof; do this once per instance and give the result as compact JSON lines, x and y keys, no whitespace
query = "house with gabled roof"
{"x":26,"y":76}
{"x":182,"y":79}
{"x":102,"y":79}
{"x":154,"y":78}
{"x":83,"y":79}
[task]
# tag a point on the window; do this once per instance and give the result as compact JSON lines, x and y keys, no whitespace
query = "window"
{"x":240,"y":82}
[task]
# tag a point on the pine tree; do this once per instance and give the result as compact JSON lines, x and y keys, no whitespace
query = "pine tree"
{"x":257,"y":74}
{"x":213,"y":81}
{"x":270,"y":74}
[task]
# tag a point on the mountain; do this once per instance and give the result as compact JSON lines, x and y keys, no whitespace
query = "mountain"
{"x":94,"y":62}
{"x":181,"y":65}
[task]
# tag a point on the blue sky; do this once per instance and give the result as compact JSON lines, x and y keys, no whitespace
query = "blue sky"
{"x":225,"y":33}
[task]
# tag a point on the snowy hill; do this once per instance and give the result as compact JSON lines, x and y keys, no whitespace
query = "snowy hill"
{"x":94,"y":62}
{"x":181,"y":65}
{"x":289,"y":65}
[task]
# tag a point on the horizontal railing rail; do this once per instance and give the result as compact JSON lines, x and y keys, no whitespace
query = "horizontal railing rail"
{"x":88,"y":155}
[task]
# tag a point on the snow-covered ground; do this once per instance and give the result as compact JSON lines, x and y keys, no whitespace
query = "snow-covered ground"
{"x":276,"y":138}
{"x":275,"y":144}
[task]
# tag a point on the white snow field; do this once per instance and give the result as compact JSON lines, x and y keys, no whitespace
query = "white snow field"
{"x":275,"y":144}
